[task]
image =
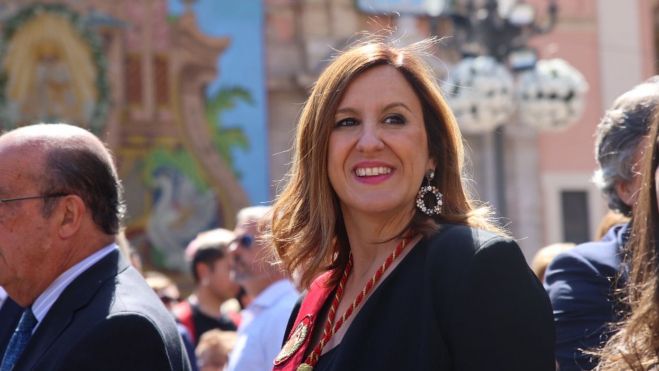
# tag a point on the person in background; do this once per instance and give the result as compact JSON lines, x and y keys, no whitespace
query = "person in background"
{"x":129,"y":251}
{"x":209,"y":264}
{"x":402,"y":271}
{"x":214,"y":348}
{"x":164,"y":287}
{"x":169,"y":295}
{"x":635,"y":345}
{"x":609,"y":220}
{"x":545,"y":255}
{"x":85,"y":307}
{"x":272,"y":294}
{"x":582,"y":282}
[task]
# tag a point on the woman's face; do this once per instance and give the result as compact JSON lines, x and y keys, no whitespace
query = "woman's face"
{"x":378,"y":151}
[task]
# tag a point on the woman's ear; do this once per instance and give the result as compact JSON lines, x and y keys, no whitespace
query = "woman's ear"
{"x":70,"y":211}
{"x":431,"y":165}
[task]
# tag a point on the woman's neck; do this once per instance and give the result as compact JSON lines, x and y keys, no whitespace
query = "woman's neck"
{"x":372,"y":239}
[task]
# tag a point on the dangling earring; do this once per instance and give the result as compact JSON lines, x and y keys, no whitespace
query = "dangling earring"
{"x":426,"y":204}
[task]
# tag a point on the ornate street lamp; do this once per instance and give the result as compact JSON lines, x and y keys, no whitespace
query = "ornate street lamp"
{"x":545,"y":95}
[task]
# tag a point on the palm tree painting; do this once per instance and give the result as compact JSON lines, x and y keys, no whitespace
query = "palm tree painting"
{"x":224,"y":138}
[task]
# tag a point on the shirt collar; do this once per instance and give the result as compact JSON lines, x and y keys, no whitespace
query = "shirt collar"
{"x":45,"y":301}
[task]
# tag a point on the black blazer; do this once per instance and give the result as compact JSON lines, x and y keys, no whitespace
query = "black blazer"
{"x":106,"y":319}
{"x":463,"y":299}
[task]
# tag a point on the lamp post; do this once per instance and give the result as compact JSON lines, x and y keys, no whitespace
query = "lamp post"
{"x":488,"y":35}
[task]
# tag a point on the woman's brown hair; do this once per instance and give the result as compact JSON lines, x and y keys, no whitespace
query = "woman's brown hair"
{"x":635,"y":346}
{"x":308,"y":233}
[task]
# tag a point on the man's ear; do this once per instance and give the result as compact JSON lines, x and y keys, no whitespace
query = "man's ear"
{"x":70,"y":211}
{"x":202,"y":273}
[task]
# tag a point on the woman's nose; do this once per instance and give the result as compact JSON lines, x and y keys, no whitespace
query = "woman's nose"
{"x":369,"y":138}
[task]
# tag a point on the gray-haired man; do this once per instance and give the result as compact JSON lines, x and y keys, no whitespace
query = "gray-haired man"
{"x":582,"y":281}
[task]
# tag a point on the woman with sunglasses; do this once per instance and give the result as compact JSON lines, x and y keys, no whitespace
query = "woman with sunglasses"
{"x":402,"y":271}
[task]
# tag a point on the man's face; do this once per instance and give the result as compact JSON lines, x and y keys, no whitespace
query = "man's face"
{"x":248,"y":262}
{"x":628,"y":191}
{"x":219,"y":277}
{"x":24,"y":232}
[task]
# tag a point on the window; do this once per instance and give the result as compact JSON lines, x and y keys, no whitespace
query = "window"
{"x":161,"y":78}
{"x":575,"y":218}
{"x":133,"y":79}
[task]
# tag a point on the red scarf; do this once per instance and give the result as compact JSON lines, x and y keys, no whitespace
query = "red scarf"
{"x":292,"y":354}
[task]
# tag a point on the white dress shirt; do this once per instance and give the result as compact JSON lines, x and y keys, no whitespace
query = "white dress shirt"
{"x":262,"y":327}
{"x":45,"y":301}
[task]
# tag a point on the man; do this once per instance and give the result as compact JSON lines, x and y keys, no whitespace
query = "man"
{"x":582,"y":282}
{"x":85,"y":307}
{"x":209,"y":263}
{"x":263,"y":322}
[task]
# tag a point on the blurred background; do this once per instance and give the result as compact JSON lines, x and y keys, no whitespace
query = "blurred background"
{"x":198,"y":100}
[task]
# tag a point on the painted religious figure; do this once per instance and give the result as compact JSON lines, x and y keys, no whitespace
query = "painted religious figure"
{"x":51,"y":74}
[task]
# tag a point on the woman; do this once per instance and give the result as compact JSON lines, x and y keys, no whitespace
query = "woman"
{"x":636,"y":345}
{"x":403,"y":272}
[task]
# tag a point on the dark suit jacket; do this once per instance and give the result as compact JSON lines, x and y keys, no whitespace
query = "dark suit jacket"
{"x":581,"y":284}
{"x":462,"y":299}
{"x":106,"y":319}
{"x":10,"y":313}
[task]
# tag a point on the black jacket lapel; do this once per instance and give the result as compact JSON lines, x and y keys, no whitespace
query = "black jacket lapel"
{"x":77,"y":295}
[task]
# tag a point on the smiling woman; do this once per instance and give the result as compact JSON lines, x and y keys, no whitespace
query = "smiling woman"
{"x":378,"y":152}
{"x":402,"y":271}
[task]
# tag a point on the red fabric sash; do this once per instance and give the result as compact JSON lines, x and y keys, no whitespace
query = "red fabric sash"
{"x":292,"y":354}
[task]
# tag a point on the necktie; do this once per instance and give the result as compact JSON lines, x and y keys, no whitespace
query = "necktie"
{"x":19,"y":340}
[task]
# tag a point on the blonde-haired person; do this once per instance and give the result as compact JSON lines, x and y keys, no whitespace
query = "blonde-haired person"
{"x":398,"y":277}
{"x":636,"y":345}
{"x":545,"y":255}
{"x":609,"y":220}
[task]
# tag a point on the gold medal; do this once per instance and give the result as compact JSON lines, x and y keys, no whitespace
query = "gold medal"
{"x":304,"y":367}
{"x":294,"y":343}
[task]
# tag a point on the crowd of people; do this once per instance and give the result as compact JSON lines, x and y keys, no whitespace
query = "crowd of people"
{"x":374,"y":256}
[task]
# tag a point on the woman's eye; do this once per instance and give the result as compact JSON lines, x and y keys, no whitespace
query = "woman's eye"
{"x":395,"y":119}
{"x":347,"y":122}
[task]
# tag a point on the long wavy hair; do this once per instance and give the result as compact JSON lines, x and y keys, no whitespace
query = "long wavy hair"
{"x":308,"y":232}
{"x":635,"y":346}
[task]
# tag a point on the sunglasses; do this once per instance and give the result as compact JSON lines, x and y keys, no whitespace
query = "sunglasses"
{"x":245,"y":240}
{"x":166,"y":299}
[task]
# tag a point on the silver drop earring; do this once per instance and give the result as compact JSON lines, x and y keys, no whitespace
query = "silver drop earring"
{"x":425,"y":202}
